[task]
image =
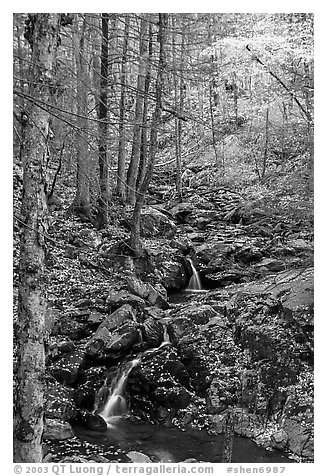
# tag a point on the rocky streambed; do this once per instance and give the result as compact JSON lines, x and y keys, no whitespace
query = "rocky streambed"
{"x":241,"y":349}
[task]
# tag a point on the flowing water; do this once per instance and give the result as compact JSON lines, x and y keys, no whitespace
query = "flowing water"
{"x":195,"y":281}
{"x":116,"y":404}
{"x":161,"y":444}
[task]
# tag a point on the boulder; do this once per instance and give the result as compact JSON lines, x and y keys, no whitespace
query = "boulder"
{"x":170,"y":266}
{"x":297,"y":419}
{"x":57,"y":430}
{"x":223,"y":278}
{"x":154,"y":223}
{"x":66,"y":369}
{"x":119,"y":298}
{"x":160,"y":378}
{"x":279,"y":439}
{"x":182,"y":211}
{"x":90,"y":382}
{"x":115,"y":336}
{"x":248,"y":254}
{"x":57,"y":347}
{"x":182,"y":326}
{"x":152,"y":332}
{"x":137,"y":457}
{"x":199,"y":314}
{"x":90,"y":421}
{"x":299,"y":439}
{"x":59,"y":403}
{"x":155,"y":295}
{"x":297,"y":303}
{"x":113,"y":345}
{"x":270,"y":264}
{"x":95,"y":318}
{"x":138,"y":287}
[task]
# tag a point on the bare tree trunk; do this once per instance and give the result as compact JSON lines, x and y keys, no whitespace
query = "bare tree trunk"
{"x":212,"y":118}
{"x":81,"y":205}
{"x":30,"y":331}
{"x":179,"y":104}
{"x":228,"y":437}
{"x":136,"y":147}
{"x":265,"y":154}
{"x":122,"y":110}
{"x":103,"y":126}
{"x":235,"y":100}
{"x":144,"y":134}
{"x":309,"y":106}
{"x":135,"y":240}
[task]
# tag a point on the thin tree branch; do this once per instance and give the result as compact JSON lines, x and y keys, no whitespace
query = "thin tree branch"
{"x":274,"y":75}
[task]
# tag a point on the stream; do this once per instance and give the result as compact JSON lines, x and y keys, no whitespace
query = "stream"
{"x":161,"y":444}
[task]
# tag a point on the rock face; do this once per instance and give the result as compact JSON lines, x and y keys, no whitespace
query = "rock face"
{"x":161,"y":264}
{"x":273,"y":325}
{"x":160,"y":380}
{"x":115,"y":336}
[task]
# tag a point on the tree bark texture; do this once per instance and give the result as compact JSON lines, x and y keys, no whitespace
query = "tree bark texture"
{"x":30,"y":332}
{"x":81,"y":204}
{"x":139,"y":105}
{"x":122,"y":111}
{"x":144,"y":133}
{"x":103,"y":126}
{"x":179,"y":102}
{"x":228,"y":437}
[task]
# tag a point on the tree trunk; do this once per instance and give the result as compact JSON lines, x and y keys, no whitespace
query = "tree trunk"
{"x":135,"y":240}
{"x":103,"y":126}
{"x":81,"y":205}
{"x":144,"y":133}
{"x":265,"y":153}
{"x":30,"y":331}
{"x":122,"y":110}
{"x":136,"y":147}
{"x":228,"y":437}
{"x":179,"y":105}
{"x":212,"y":119}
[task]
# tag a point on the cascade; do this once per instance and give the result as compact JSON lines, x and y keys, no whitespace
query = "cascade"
{"x":166,"y":338}
{"x":195,"y":282}
{"x":116,"y":404}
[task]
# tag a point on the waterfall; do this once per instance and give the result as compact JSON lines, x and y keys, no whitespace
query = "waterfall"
{"x":116,"y":404}
{"x":195,"y":282}
{"x":166,"y":338}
